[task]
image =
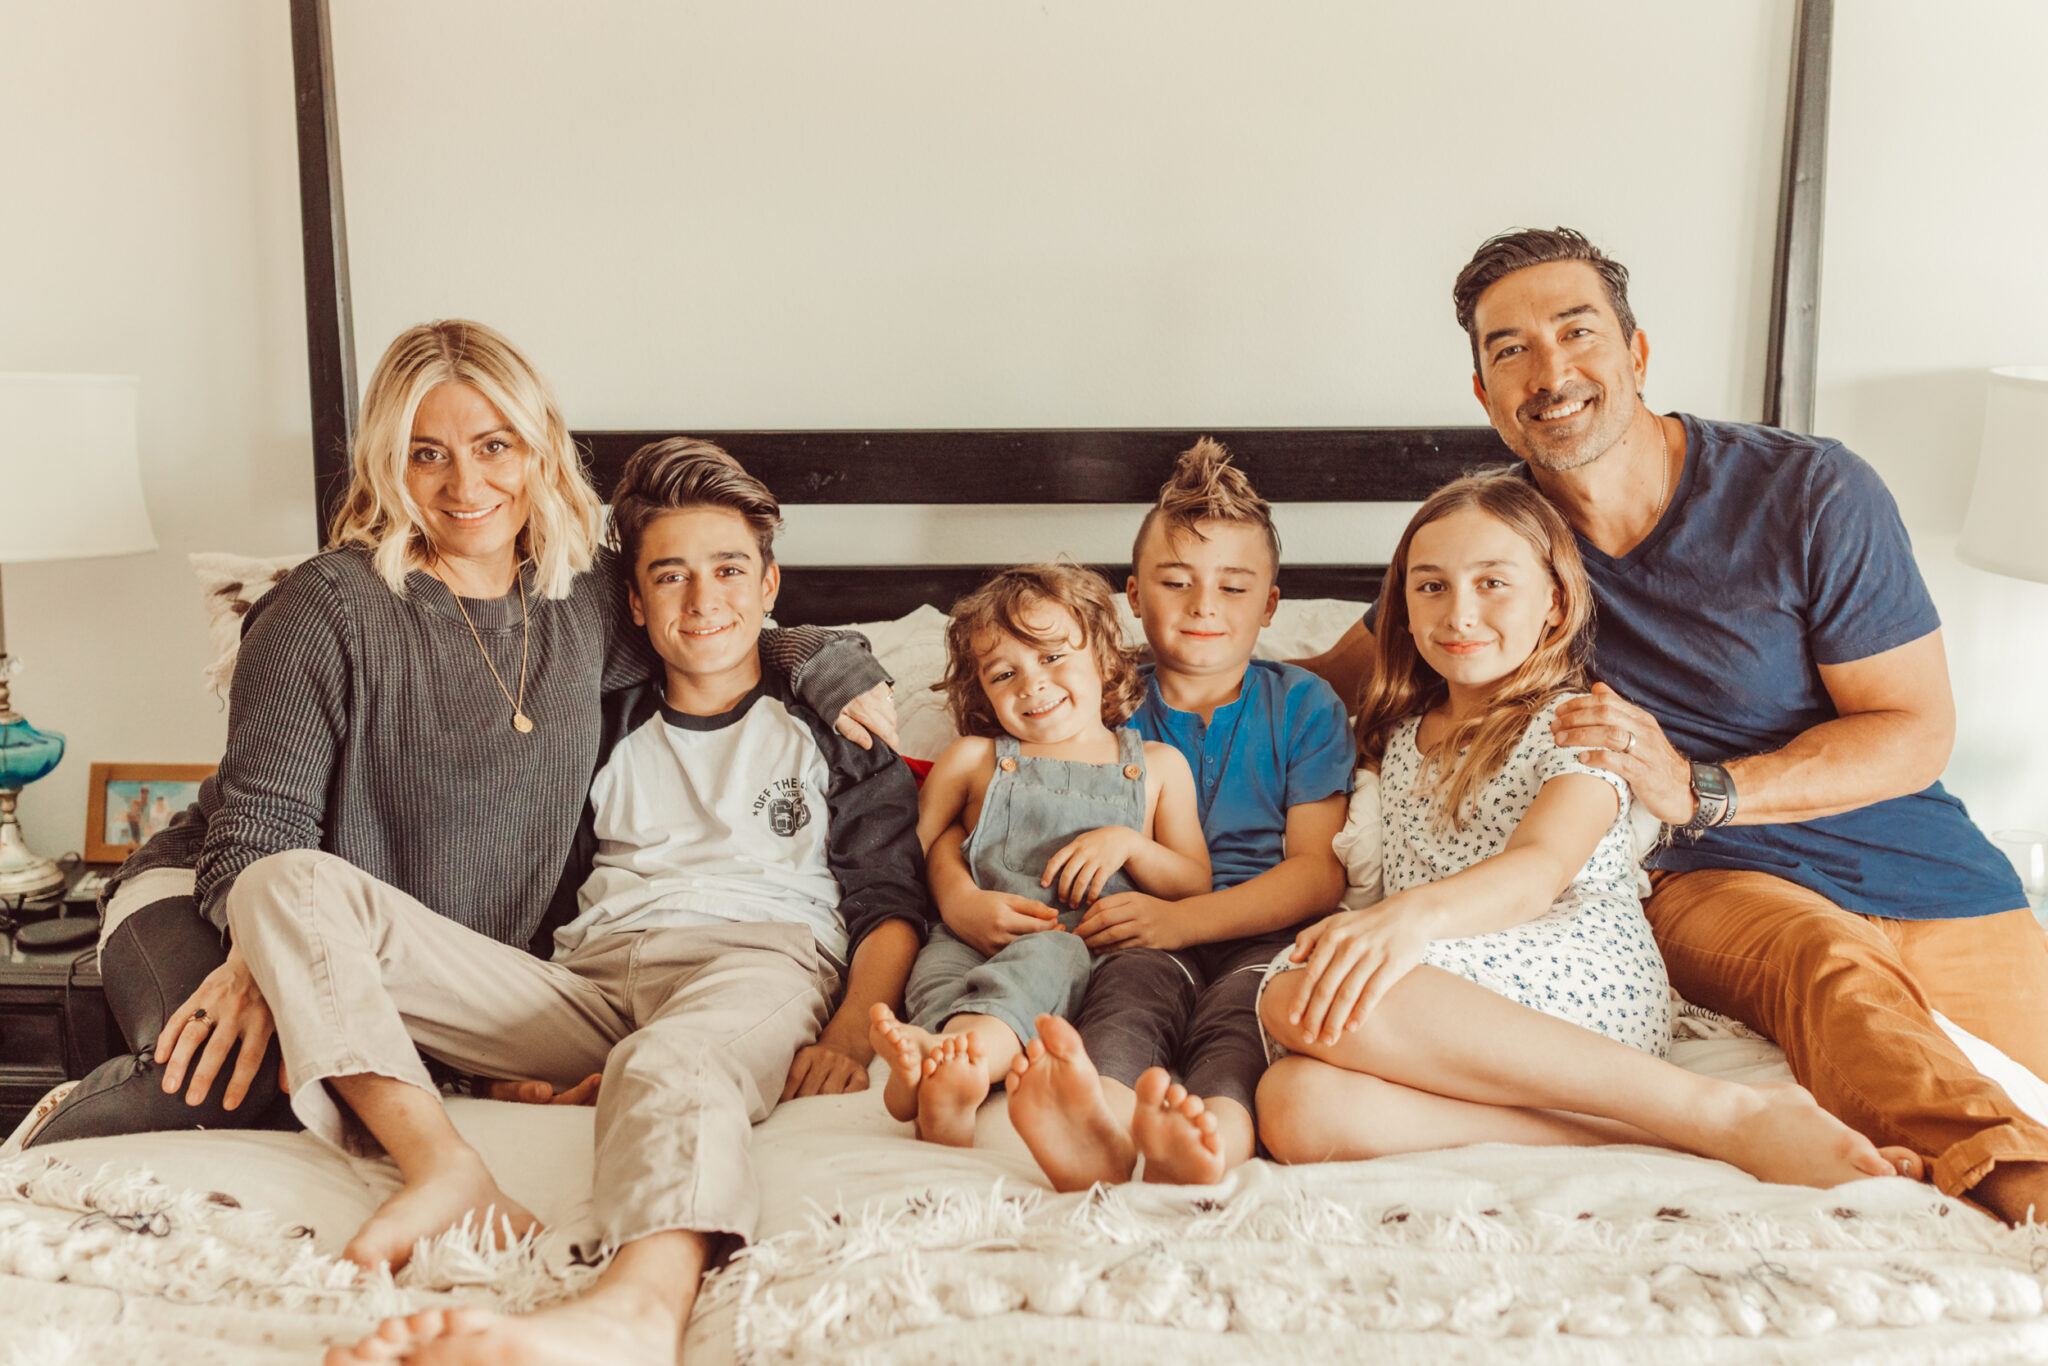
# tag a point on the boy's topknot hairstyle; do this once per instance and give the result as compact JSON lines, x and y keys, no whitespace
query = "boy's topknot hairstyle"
{"x":999,"y":605}
{"x":684,"y":472}
{"x":1205,"y":487}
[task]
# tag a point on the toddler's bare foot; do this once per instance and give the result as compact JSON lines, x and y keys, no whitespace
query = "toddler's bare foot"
{"x":904,"y":1048}
{"x":954,"y":1086}
{"x":1058,"y":1109}
{"x":1176,"y":1133}
{"x":1778,"y":1132}
{"x":435,"y":1202}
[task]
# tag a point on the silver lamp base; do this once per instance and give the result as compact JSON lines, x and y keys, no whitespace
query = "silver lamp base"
{"x":25,"y":875}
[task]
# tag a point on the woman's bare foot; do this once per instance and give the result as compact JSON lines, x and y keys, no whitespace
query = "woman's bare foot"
{"x":597,"y":1330}
{"x":1905,"y":1162}
{"x":904,"y":1048}
{"x":1777,"y":1132}
{"x":1058,"y":1109}
{"x":442,"y":1196}
{"x":1176,"y":1133}
{"x":955,"y":1084}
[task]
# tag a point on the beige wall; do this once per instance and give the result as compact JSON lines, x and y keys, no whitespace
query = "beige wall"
{"x":917,"y":213}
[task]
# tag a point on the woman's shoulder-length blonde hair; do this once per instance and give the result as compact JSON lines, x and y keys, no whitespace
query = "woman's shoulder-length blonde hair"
{"x":565,"y":521}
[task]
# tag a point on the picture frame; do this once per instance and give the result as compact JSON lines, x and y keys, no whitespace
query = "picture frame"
{"x":127,"y":803}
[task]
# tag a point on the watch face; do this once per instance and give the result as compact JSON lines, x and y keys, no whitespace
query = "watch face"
{"x":1710,"y":780}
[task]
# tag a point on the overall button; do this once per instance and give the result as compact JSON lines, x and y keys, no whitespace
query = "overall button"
{"x":1133,"y":771}
{"x":1009,"y":765}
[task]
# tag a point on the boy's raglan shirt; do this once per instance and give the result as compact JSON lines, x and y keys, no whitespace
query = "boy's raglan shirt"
{"x":1284,"y":741}
{"x":761,"y":813}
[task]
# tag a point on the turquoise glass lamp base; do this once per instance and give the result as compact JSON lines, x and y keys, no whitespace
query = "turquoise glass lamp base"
{"x":26,"y":754}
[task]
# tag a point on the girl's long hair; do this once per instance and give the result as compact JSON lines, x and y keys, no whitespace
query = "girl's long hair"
{"x":1403,"y":686}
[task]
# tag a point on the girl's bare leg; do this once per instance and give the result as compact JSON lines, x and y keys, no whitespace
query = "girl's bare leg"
{"x":1314,"y":1111}
{"x":1437,"y":1032}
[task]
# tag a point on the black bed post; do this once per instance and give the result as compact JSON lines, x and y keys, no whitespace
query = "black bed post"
{"x":330,"y":334}
{"x":1795,"y":285}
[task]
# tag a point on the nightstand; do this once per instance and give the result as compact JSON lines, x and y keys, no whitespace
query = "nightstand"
{"x":54,"y":1021}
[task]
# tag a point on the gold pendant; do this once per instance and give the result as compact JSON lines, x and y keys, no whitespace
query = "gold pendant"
{"x":521,"y":722}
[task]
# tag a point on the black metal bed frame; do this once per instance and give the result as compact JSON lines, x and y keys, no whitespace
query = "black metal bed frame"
{"x":1120,"y":465}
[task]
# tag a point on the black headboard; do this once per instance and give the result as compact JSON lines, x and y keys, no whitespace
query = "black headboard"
{"x":1122,"y":465}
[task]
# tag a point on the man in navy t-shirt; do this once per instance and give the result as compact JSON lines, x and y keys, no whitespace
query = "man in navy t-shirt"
{"x":1779,"y":694}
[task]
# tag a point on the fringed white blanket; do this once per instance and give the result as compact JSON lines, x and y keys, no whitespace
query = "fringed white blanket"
{"x":876,"y":1249}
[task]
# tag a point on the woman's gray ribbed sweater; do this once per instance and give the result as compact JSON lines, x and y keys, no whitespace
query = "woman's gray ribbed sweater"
{"x":363,"y":722}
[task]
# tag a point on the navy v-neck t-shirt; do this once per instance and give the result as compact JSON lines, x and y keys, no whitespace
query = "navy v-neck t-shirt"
{"x":1777,"y":554}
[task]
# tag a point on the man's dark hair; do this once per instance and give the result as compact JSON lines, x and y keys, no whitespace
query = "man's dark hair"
{"x":683,"y":472}
{"x":1505,"y":253}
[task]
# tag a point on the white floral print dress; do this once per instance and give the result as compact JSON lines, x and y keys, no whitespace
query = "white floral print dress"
{"x":1589,"y":958}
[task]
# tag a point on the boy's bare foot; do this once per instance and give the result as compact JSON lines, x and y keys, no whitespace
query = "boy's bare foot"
{"x":904,"y":1048}
{"x":438,"y":1200}
{"x":1058,"y":1109}
{"x":597,"y":1330}
{"x":1176,"y":1133}
{"x":954,"y":1086}
{"x":1777,"y":1132}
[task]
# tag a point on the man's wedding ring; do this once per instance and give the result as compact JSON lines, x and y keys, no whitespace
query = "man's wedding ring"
{"x":1629,"y":748}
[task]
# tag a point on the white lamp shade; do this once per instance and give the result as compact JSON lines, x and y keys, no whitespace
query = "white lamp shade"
{"x":2006,"y":530}
{"x":70,"y":474}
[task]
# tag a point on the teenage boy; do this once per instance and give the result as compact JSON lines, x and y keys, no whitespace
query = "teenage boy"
{"x":1272,"y":756}
{"x":739,"y":852}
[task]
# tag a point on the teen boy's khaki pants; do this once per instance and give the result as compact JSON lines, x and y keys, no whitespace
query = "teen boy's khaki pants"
{"x":1848,"y":997}
{"x":694,"y":1029}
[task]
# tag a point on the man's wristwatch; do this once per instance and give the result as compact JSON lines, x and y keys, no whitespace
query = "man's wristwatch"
{"x":1713,"y":793}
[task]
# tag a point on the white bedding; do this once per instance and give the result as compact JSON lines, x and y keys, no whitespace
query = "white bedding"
{"x":876,"y":1248}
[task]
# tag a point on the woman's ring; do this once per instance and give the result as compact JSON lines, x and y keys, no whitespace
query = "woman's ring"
{"x":1629,"y":748}
{"x":200,"y":1017}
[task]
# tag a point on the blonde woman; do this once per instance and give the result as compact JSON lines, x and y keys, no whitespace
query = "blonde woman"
{"x":420,"y":700}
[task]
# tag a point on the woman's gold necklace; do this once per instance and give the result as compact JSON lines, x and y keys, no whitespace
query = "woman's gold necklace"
{"x":521,"y":722}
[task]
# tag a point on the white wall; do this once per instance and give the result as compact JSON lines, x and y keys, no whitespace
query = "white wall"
{"x":150,"y":227}
{"x":1936,"y":269}
{"x":918,"y":213}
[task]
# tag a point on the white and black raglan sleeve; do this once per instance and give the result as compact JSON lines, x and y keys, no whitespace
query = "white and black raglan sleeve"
{"x":871,"y":841}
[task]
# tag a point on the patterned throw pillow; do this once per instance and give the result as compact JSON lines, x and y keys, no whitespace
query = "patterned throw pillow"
{"x":231,"y":585}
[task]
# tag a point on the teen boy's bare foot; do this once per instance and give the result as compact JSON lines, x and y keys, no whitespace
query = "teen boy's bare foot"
{"x":954,"y":1086}
{"x":598,"y":1329}
{"x":457,"y":1186}
{"x":1176,"y":1133}
{"x":1058,"y":1109}
{"x":1778,"y":1132}
{"x":903,"y":1047}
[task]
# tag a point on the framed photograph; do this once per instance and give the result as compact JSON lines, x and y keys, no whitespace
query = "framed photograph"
{"x":127,"y":803}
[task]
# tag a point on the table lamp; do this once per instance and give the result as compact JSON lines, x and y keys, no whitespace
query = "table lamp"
{"x":70,"y":488}
{"x":2003,"y":531}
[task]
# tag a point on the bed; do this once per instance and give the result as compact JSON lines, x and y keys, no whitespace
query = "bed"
{"x":873,"y":1248}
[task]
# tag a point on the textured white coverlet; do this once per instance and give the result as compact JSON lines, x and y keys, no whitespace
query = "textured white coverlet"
{"x":875,"y":1248}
